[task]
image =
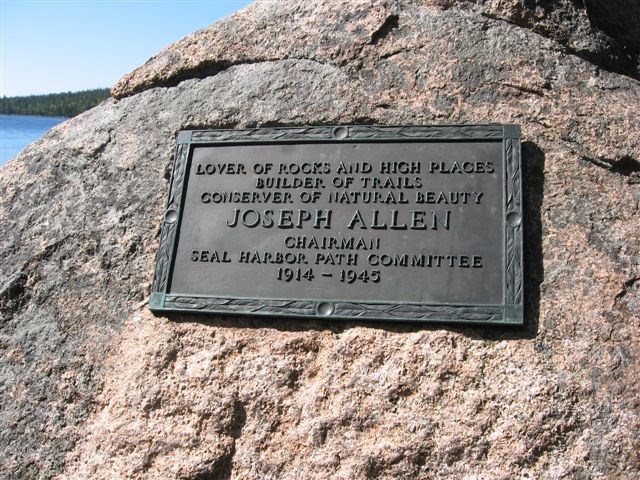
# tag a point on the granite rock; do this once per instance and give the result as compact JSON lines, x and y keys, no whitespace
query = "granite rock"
{"x":93,"y":386}
{"x":605,"y":32}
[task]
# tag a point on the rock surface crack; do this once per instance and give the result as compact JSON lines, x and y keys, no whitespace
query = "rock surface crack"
{"x":210,"y":69}
{"x":389,"y":25}
{"x":13,"y":295}
{"x":626,"y":286}
{"x":622,"y":62}
{"x":626,"y":166}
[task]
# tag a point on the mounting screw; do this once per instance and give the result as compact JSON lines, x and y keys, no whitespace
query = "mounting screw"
{"x":171,"y":215}
{"x":325,"y":309}
{"x":340,"y":133}
{"x":513,"y":219}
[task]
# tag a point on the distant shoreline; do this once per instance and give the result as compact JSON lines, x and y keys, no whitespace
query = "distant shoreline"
{"x":32,"y":115}
{"x":67,"y":105}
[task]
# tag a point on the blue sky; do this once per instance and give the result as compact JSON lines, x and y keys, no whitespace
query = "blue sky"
{"x":49,"y":46}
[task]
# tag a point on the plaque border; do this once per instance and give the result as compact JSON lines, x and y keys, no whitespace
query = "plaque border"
{"x":510,"y":312}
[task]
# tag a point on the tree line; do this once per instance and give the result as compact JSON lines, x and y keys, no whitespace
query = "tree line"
{"x":68,"y":104}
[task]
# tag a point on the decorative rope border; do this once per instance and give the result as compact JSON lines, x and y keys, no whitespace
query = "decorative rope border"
{"x":513,"y":223}
{"x":351,"y":133}
{"x":170,"y":224}
{"x":343,"y":309}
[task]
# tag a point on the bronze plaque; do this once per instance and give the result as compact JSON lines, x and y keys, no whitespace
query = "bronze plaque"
{"x":412,"y":223}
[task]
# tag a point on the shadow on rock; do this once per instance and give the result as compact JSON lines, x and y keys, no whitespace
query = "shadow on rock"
{"x":533,"y":182}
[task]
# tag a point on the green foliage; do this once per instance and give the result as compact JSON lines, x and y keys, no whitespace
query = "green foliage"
{"x":67,"y":104}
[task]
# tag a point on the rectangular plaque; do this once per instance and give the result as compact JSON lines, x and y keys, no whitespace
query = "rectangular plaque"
{"x":411,"y":223}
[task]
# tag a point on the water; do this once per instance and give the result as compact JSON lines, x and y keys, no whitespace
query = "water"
{"x":18,"y":131}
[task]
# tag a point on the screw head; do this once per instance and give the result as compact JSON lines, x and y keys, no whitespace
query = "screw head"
{"x":340,"y":133}
{"x":325,"y":309}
